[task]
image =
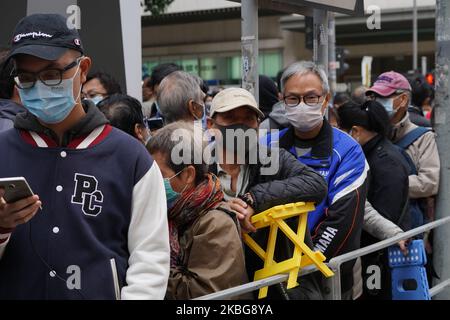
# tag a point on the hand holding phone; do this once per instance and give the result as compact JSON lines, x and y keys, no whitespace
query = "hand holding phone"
{"x":18,"y":204}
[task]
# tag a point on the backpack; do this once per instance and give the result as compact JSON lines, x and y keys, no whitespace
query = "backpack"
{"x":416,"y":208}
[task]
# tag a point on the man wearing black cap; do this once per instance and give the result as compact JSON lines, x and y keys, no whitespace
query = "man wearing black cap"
{"x":95,"y":236}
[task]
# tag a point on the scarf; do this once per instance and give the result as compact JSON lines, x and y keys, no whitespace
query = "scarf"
{"x":190,"y":206}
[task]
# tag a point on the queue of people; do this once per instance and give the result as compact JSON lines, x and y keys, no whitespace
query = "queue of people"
{"x":150,"y":201}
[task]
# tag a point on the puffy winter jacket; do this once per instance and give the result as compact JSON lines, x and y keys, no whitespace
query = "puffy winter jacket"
{"x":292,"y":182}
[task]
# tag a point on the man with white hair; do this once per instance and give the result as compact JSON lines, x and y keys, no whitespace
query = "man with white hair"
{"x":336,"y":223}
{"x":180,"y":98}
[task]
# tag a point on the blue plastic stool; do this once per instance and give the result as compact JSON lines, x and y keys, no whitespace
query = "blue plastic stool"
{"x":409,"y":278}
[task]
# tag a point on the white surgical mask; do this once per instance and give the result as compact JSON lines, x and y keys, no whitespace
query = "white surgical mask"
{"x":304,"y":118}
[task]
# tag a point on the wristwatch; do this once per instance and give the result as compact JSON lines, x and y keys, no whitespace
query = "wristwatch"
{"x":248,"y":199}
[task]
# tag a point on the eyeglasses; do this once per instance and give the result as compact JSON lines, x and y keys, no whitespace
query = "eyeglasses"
{"x":293,"y":101}
{"x":93,"y":94}
{"x":50,"y":77}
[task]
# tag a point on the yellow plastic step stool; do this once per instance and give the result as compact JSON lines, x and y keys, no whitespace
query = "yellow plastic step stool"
{"x":303,"y":255}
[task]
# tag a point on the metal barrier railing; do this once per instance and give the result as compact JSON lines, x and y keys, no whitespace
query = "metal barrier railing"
{"x":333,"y":284}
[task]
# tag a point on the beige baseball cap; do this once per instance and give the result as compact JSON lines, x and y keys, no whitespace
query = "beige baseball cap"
{"x":233,"y":98}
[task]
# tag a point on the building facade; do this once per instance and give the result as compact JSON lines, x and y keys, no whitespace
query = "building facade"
{"x":204,"y":38}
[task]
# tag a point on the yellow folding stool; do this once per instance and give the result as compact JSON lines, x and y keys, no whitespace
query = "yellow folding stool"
{"x":303,"y":255}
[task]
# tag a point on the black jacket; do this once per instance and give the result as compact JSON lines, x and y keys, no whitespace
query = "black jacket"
{"x":388,"y":183}
{"x":292,"y":182}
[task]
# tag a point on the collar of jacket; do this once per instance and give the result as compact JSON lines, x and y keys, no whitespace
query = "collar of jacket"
{"x":400,"y":129}
{"x":371,"y":144}
{"x":93,"y":119}
{"x":322,"y":145}
{"x":416,"y":110}
{"x":254,"y":169}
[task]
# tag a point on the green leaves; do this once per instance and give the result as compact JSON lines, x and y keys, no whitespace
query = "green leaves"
{"x":156,"y":7}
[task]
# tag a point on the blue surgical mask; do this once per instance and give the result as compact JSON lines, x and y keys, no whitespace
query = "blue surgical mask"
{"x":388,"y":104}
{"x":97,"y":99}
{"x":171,"y":195}
{"x":50,"y":104}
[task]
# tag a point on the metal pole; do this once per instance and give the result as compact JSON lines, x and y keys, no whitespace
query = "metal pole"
{"x":424,"y":65}
{"x":332,"y":52}
{"x":249,"y":39}
{"x":415,"y":54}
{"x":321,"y":38}
{"x":442,"y":124}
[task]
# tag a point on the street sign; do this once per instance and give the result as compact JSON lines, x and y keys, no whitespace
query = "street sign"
{"x":110,"y":31}
{"x":366,"y":71}
{"x":305,"y":7}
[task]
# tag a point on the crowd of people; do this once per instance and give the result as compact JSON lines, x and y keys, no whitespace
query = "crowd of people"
{"x":150,"y":200}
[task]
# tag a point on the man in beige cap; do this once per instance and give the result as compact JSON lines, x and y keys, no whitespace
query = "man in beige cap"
{"x":247,"y":185}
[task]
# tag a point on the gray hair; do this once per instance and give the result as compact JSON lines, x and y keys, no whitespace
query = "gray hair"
{"x":174,"y":93}
{"x":181,"y":144}
{"x":302,"y":68}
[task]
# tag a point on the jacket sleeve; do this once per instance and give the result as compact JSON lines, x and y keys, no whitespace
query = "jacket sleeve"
{"x":148,"y":240}
{"x":340,"y":230}
{"x":426,"y":182}
{"x":378,"y":226}
{"x":293,"y":182}
{"x":216,"y":259}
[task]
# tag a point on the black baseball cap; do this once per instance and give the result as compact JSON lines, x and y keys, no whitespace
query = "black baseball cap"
{"x":45,"y":36}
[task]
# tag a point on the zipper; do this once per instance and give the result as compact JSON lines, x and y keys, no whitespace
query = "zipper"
{"x":115,"y":278}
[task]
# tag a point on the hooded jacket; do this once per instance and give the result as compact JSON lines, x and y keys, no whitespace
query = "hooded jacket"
{"x":8,"y":111}
{"x":102,"y":232}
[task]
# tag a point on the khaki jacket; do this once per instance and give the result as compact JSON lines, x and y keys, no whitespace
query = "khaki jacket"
{"x":424,"y":154}
{"x":213,"y":257}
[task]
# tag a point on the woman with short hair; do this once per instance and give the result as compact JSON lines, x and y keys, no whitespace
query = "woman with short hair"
{"x":206,"y":248}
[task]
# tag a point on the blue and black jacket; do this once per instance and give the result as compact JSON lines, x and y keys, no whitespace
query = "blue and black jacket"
{"x":336,"y":223}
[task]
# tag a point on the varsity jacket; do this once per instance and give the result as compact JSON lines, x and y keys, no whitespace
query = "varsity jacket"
{"x":102,"y":232}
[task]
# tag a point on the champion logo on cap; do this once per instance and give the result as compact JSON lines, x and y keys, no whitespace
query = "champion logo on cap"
{"x":33,"y":35}
{"x":77,"y":42}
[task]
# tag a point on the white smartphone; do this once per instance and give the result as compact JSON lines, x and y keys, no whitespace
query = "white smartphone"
{"x":16,"y":188}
